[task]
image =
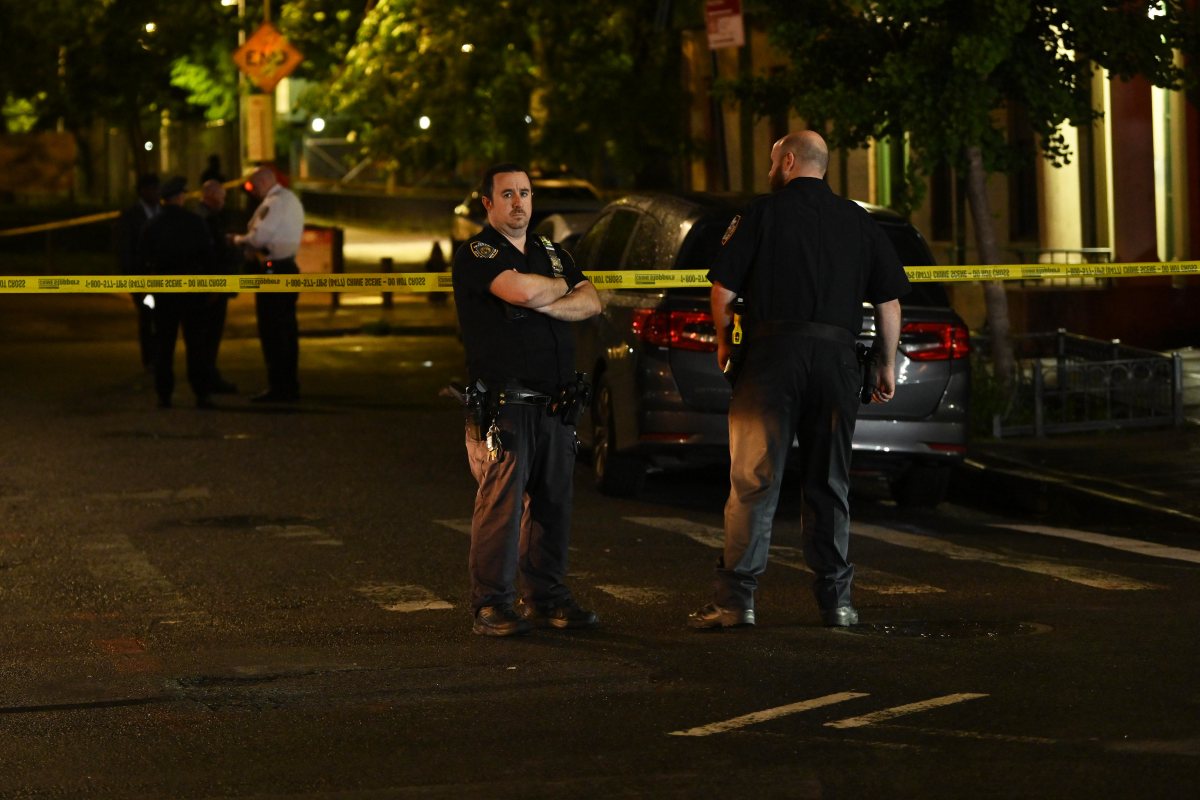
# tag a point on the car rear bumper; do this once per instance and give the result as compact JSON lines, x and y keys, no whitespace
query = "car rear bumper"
{"x":702,"y":437}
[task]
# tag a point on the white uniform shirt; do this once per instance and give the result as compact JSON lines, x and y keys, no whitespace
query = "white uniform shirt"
{"x":277,"y":224}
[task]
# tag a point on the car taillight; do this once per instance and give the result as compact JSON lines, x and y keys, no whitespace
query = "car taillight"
{"x":935,"y":341}
{"x":680,"y":330}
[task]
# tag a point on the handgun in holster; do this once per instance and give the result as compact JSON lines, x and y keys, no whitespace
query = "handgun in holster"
{"x":475,"y":406}
{"x":571,"y":400}
{"x":867,"y":358}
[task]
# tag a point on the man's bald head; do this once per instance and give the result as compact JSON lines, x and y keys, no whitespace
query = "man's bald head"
{"x":262,"y":180}
{"x":800,"y":154}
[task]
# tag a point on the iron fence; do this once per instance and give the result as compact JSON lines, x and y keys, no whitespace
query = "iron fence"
{"x":1066,"y":383}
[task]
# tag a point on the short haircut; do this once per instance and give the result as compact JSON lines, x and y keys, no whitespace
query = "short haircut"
{"x":489,"y":177}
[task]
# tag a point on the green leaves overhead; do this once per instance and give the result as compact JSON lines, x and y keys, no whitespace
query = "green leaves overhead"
{"x":941,"y":69}
{"x":555,"y":83}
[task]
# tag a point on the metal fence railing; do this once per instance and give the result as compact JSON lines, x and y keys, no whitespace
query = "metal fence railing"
{"x":1066,"y":383}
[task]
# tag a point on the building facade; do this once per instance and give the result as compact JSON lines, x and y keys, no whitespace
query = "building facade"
{"x":1129,"y":194}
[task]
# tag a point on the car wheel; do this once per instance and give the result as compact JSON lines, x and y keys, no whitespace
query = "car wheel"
{"x":615,"y":475}
{"x":921,"y":485}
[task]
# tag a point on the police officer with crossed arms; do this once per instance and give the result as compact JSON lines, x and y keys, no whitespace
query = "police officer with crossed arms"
{"x":516,"y":295}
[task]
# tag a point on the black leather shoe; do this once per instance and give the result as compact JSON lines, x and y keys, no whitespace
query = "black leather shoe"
{"x":272,"y":396}
{"x":224,"y":387}
{"x":840,"y":617}
{"x":566,"y":614}
{"x":499,"y":620}
{"x":713,"y":616}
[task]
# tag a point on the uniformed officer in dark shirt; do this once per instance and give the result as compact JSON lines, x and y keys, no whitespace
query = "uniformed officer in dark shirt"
{"x":132,"y":260}
{"x":804,"y":260}
{"x":176,"y":242}
{"x":516,"y":296}
{"x":226,"y":260}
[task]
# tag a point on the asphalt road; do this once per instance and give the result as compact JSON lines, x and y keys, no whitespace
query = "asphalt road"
{"x":272,"y":604}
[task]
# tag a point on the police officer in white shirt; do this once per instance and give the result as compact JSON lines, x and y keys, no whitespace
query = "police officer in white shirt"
{"x":273,"y":236}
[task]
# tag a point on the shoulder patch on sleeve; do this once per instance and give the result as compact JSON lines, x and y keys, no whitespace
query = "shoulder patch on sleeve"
{"x":733,"y":223}
{"x":484,"y":250}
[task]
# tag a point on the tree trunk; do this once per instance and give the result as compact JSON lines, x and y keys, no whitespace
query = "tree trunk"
{"x":141,"y":159}
{"x":993,"y":291}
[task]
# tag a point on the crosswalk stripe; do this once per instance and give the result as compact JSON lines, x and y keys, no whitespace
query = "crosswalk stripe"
{"x":637,"y":595}
{"x":899,"y":711}
{"x":769,"y":714}
{"x":866,"y":578}
{"x":1081,"y":575}
{"x":403,"y":599}
{"x":125,"y":571}
{"x":306,"y":534}
{"x":1112,"y":542}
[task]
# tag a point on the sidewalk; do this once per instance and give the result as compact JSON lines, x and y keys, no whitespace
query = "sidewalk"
{"x":1147,"y":475}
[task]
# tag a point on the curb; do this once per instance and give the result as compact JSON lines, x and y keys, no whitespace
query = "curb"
{"x":1007,"y":488}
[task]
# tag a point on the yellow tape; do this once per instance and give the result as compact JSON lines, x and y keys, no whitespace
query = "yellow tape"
{"x":441,"y":281}
{"x":55,"y":226}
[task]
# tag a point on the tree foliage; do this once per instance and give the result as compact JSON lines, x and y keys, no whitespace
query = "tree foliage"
{"x":939,"y":70}
{"x":80,"y":60}
{"x":568,"y":82}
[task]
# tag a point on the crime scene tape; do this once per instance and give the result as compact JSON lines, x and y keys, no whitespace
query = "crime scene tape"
{"x":418,"y":282}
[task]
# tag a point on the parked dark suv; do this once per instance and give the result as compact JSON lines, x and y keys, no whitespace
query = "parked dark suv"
{"x":659,"y":399}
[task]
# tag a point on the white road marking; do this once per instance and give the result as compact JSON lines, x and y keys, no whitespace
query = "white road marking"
{"x":157,"y":495}
{"x":1112,"y":542}
{"x":769,"y":714}
{"x":635,"y":594}
{"x":872,"y":580}
{"x":402,"y":599}
{"x":126,"y":572}
{"x":900,"y":711}
{"x":460,"y":525}
{"x":310,"y":535}
{"x":1081,"y":575}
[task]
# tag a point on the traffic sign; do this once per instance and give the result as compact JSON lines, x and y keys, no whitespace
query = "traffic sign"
{"x":266,"y":57}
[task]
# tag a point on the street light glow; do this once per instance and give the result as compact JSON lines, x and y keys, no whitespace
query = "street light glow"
{"x":468,"y":48}
{"x":149,"y":146}
{"x":151,"y":27}
{"x":317,"y":124}
{"x":423,"y":123}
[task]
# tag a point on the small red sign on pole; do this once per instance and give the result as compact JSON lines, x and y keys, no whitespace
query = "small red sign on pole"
{"x":267,"y":57}
{"x":724,"y":22}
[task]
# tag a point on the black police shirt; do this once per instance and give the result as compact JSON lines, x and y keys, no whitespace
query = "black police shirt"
{"x":804,"y":254}
{"x":507,"y":343}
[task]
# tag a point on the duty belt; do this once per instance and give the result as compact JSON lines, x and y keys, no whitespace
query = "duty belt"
{"x":523,"y":397}
{"x":816,"y":330}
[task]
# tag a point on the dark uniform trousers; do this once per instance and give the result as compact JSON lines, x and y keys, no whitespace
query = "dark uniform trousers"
{"x":279,"y":332}
{"x":172,"y":311}
{"x":522,"y":511}
{"x":790,"y":386}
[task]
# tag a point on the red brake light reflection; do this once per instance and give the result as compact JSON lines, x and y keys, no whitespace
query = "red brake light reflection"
{"x":679,"y":330}
{"x":935,"y":341}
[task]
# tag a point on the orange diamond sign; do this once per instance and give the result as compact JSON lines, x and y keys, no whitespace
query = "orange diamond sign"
{"x":267,"y":57}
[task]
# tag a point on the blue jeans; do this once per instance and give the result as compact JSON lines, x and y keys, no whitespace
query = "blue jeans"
{"x":791,"y":387}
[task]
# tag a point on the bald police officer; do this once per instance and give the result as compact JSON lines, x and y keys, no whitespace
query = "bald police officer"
{"x":804,"y":260}
{"x":516,"y":296}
